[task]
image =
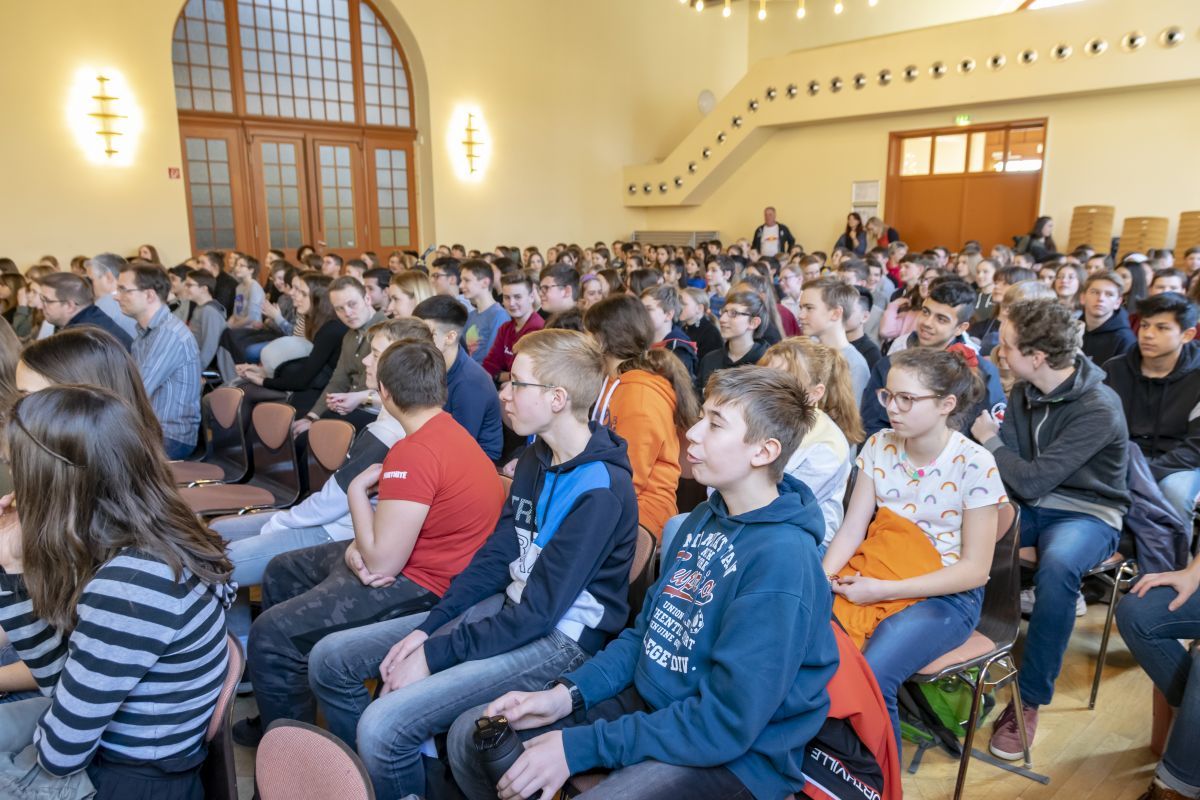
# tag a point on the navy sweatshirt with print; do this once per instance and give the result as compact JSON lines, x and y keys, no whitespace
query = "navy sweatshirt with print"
{"x":561,"y":553}
{"x":732,"y":651}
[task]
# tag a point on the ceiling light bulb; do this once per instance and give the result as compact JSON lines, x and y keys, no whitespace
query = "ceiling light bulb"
{"x":727,"y":11}
{"x":699,"y":5}
{"x":872,"y":3}
{"x":838,"y":7}
{"x":800,"y":10}
{"x":762,"y":10}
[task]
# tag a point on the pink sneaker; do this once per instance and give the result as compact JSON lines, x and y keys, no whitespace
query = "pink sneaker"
{"x":1006,"y":739}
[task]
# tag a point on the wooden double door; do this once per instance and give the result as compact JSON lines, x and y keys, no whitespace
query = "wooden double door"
{"x":255,"y":187}
{"x":947,"y":186}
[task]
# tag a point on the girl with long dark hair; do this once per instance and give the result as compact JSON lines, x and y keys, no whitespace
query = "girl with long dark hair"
{"x":113,"y":595}
{"x":855,"y":237}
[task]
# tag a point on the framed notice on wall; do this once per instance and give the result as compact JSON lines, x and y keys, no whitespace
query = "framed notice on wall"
{"x":864,"y":199}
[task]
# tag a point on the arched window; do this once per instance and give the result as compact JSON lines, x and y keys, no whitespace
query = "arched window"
{"x":296,"y":120}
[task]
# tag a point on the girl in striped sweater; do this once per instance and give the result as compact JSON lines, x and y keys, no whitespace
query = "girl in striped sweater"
{"x":112,"y":594}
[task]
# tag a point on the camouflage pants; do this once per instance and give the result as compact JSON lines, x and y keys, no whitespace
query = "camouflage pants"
{"x":308,"y":594}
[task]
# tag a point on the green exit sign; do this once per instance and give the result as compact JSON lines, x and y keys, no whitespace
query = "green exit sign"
{"x":962,"y":119}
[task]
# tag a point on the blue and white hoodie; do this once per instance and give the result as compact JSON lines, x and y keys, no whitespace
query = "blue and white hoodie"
{"x":561,"y":554}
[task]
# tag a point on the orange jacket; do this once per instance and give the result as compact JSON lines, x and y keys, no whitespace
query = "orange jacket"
{"x":639,"y":406}
{"x":894,"y":549}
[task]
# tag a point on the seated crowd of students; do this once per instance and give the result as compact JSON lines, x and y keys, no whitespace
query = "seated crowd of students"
{"x":858,"y":420}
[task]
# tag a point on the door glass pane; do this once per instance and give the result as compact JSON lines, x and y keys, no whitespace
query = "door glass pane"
{"x":950,"y":154}
{"x":391,"y":176}
{"x":337,"y":214}
{"x":282,"y":194}
{"x":987,"y":151}
{"x":210,"y":193}
{"x":199,"y":54}
{"x":1026,"y":147}
{"x":291,"y":40}
{"x":914,"y":155}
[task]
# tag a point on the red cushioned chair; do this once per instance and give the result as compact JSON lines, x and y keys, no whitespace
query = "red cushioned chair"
{"x":218,"y":773}
{"x":298,"y":761}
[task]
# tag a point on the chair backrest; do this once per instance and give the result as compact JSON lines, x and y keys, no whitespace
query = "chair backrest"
{"x":641,"y":569}
{"x":224,"y":435}
{"x":218,"y":773}
{"x":329,"y":441}
{"x":505,"y":485}
{"x":1000,"y":618}
{"x":298,"y":761}
{"x":275,"y":467}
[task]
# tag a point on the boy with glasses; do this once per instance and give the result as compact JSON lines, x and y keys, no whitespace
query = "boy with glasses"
{"x":558,"y":288}
{"x":545,"y":591}
{"x":66,"y":301}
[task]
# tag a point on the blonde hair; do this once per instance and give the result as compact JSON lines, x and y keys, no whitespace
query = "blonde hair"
{"x":1028,"y":290}
{"x":414,"y":283}
{"x":813,"y":363}
{"x":405,"y":328}
{"x":566,"y":358}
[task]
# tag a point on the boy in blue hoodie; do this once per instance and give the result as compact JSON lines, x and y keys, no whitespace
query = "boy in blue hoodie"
{"x":721,"y":683}
{"x":544,"y":592}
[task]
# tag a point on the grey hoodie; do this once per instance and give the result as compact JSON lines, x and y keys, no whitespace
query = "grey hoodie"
{"x":1066,"y":449}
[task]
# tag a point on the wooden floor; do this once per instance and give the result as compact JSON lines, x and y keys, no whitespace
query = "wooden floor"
{"x":1088,"y":755}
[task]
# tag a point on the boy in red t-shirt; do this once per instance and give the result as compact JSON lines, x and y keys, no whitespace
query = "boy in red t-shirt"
{"x":439,"y":499}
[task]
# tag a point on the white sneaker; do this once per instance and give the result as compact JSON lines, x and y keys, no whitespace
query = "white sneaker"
{"x":1027,"y":598}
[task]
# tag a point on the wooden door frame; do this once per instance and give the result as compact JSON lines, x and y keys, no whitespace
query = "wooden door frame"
{"x":246,"y":212}
{"x":239,"y":177}
{"x":254,"y":138}
{"x":895,"y":151}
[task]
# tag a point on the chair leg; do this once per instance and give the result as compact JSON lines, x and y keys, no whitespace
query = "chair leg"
{"x":1018,"y":706}
{"x":1108,"y":622}
{"x":972,"y":723}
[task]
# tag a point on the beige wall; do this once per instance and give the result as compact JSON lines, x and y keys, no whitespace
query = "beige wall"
{"x":571,"y":92}
{"x":1121,"y":149}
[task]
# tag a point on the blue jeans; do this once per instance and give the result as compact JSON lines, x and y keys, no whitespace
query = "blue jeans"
{"x":905,"y":642}
{"x":1152,"y":634}
{"x":647,"y":779}
{"x":177,"y":450}
{"x":388,"y":732}
{"x":20,"y":774}
{"x":250,"y":553}
{"x":1180,"y":489}
{"x":8,"y":655}
{"x":1068,"y":545}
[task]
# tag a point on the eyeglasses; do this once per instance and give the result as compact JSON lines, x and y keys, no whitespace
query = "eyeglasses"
{"x":730,"y":312}
{"x":129,"y":289}
{"x":46,"y":301}
{"x":545,"y":287}
{"x":522,"y":384}
{"x":904,"y":400}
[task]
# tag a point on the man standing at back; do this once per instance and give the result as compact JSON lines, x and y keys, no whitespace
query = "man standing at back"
{"x":67,"y":302}
{"x":166,"y":355}
{"x":772,"y":237}
{"x":103,"y":271}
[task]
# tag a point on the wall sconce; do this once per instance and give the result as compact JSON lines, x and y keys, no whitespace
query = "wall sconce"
{"x":102,"y":114}
{"x":469,"y":143}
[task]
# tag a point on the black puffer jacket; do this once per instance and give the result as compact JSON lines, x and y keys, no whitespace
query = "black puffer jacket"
{"x":1162,"y":414}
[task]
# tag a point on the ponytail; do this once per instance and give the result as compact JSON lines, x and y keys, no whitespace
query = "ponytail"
{"x":813,"y":363}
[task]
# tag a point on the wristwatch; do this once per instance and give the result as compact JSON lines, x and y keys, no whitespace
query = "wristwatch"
{"x":578,"y":707}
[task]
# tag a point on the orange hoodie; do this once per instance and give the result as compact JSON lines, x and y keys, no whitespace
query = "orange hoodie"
{"x":894,"y":549}
{"x":639,"y":406}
